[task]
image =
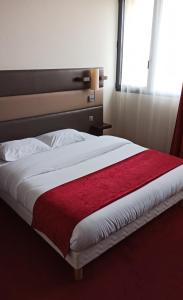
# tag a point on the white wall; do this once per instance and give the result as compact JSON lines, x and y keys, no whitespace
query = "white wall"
{"x":60,"y":34}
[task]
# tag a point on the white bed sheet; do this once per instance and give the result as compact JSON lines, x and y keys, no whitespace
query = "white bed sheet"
{"x":26,"y":179}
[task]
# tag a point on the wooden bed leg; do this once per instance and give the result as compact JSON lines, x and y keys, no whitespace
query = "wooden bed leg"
{"x":78,"y":274}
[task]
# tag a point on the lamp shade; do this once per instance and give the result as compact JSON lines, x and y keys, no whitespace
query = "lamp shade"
{"x":94,"y":79}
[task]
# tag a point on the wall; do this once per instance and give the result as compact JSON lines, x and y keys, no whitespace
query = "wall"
{"x":60,"y":34}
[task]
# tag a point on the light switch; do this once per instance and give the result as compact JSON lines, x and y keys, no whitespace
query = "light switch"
{"x":91,"y":118}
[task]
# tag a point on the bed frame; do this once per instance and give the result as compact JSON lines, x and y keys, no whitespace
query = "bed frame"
{"x":79,"y":259}
{"x":33,"y":126}
{"x":47,"y":100}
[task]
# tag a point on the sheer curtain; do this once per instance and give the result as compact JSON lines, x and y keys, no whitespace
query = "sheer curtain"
{"x":145,"y":110}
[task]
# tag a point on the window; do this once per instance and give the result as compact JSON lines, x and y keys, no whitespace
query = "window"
{"x":151,"y":53}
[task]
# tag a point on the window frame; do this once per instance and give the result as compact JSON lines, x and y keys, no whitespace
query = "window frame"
{"x":120,"y":37}
{"x":120,"y":42}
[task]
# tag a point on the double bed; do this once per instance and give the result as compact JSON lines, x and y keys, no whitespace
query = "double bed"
{"x":25,"y":180}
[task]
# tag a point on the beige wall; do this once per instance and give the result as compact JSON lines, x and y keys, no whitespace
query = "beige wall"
{"x":60,"y":34}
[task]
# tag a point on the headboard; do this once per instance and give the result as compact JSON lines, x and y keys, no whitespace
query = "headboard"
{"x":33,"y":102}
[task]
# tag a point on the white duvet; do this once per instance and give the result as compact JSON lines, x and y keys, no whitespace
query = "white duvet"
{"x":26,"y":179}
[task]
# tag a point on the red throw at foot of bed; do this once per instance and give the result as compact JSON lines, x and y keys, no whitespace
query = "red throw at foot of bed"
{"x":59,"y":210}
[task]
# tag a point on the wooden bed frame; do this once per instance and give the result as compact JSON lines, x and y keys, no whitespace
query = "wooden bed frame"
{"x":78,"y":260}
{"x":36,"y":87}
{"x":47,"y":100}
{"x":37,"y":125}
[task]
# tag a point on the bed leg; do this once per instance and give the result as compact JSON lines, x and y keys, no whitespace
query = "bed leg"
{"x":78,"y":274}
{"x":181,"y":203}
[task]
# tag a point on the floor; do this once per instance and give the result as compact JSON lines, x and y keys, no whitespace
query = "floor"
{"x":147,"y":265}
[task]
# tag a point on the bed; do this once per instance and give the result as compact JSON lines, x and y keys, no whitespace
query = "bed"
{"x":23,"y":181}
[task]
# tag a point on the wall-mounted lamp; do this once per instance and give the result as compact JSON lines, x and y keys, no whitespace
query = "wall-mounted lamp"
{"x":94,"y":83}
{"x":93,"y":80}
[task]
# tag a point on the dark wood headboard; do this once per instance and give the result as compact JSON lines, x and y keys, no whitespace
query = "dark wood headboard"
{"x":28,"y":82}
{"x":33,"y":102}
{"x":29,"y":127}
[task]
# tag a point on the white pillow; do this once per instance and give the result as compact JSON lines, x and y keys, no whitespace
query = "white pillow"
{"x":17,"y":149}
{"x":61,"y":137}
{"x":88,"y":136}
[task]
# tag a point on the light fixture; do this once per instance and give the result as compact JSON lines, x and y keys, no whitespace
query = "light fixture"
{"x":94,"y":83}
{"x":93,"y":80}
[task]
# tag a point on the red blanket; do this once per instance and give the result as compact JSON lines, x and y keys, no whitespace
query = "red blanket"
{"x":59,"y":210}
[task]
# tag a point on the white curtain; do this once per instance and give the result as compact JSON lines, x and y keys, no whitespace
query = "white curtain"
{"x":145,"y":110}
{"x":144,"y":119}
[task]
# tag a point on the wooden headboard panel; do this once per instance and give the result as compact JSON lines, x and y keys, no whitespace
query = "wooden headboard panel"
{"x":28,"y":82}
{"x":33,"y":126}
{"x":27,"y":93}
{"x":33,"y":102}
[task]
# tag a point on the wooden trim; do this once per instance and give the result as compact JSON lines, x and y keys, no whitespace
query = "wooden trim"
{"x":82,"y":119}
{"x":24,"y":106}
{"x":27,"y":82}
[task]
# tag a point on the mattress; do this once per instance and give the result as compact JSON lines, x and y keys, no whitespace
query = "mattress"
{"x":25,"y":180}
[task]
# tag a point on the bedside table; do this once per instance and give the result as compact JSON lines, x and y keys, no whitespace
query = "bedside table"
{"x":98,"y":130}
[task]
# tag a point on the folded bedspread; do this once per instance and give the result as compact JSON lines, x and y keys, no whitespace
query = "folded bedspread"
{"x":27,"y":179}
{"x":59,"y":210}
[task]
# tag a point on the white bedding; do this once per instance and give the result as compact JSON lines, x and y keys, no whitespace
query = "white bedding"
{"x":25,"y":180}
{"x":2,"y":162}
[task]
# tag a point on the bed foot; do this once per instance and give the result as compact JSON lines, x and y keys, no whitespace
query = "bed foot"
{"x":78,"y":274}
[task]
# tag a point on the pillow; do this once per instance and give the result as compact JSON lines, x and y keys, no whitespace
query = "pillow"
{"x":88,"y":136}
{"x":17,"y":149}
{"x":61,"y":137}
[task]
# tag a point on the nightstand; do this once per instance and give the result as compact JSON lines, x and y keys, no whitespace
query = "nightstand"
{"x":98,"y":130}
